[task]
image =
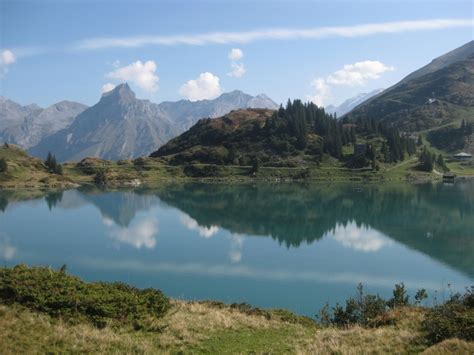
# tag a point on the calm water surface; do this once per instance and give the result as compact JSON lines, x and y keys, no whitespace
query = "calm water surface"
{"x":291,"y":246}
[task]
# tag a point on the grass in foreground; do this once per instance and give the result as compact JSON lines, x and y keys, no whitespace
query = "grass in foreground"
{"x":42,"y":310}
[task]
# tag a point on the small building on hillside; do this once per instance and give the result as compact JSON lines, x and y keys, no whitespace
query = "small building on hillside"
{"x":463,"y":156}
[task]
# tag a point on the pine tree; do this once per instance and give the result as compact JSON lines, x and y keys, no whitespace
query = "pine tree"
{"x":385,"y":153}
{"x":426,"y":160}
{"x":52,"y":164}
{"x":255,"y":165}
{"x":3,"y":165}
{"x":419,"y":142}
{"x":440,"y":161}
{"x":100,"y":177}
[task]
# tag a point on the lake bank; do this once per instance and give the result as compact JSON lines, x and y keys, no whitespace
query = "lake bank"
{"x":77,"y":316}
{"x":24,"y":171}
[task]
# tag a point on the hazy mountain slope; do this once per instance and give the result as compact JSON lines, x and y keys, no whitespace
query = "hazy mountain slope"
{"x":456,"y":55}
{"x":30,"y":124}
{"x":11,"y":112}
{"x":351,"y":103}
{"x":185,"y":113}
{"x":119,"y":126}
{"x":437,"y":98}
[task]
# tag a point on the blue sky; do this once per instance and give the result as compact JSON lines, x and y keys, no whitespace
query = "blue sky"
{"x":169,"y":50}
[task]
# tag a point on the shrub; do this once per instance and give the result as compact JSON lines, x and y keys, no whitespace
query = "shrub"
{"x":365,"y":310}
{"x":61,"y":295}
{"x":453,"y":319}
{"x":400,"y":297}
{"x":368,"y":310}
{"x":100,"y":177}
{"x":201,"y":171}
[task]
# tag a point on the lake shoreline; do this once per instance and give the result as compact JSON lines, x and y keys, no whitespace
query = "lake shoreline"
{"x":33,"y":318}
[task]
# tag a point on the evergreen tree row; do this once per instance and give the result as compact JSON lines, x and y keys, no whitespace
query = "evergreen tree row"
{"x":301,"y":120}
{"x":52,"y":165}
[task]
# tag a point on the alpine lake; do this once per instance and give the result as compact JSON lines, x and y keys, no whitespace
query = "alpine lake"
{"x":293,"y":246}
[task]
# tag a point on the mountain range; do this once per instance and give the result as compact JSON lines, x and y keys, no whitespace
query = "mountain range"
{"x":119,"y":126}
{"x":351,"y":103}
{"x":28,"y":125}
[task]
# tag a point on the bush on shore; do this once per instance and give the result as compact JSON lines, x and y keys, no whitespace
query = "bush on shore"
{"x":452,"y":319}
{"x":64,"y":296}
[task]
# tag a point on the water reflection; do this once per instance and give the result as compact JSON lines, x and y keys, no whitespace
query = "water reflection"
{"x":285,"y":245}
{"x":7,"y":250}
{"x":361,"y":238}
{"x":437,"y":220}
{"x":191,"y":224}
{"x":141,"y":234}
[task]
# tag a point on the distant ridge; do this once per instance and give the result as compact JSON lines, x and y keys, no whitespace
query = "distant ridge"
{"x":351,"y":103}
{"x":28,"y":125}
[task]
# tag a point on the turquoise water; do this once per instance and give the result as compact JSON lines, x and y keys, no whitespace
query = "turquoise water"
{"x":291,"y":246}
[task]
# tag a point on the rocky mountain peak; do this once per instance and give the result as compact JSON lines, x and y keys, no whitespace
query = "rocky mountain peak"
{"x":121,"y":92}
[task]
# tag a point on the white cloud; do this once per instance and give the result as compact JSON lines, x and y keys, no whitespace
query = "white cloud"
{"x":275,"y":34}
{"x":141,"y":234}
{"x":238,"y":70}
{"x":206,"y":86}
{"x":107,"y":87}
{"x":358,"y":73}
{"x":360,"y":239}
{"x":191,"y":224}
{"x":236,"y":54}
{"x":322,"y":92}
{"x":141,"y":74}
{"x":6,"y":58}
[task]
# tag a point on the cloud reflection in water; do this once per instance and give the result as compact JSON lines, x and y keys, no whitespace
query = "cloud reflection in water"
{"x":139,"y":235}
{"x":361,"y":238}
{"x":192,"y":224}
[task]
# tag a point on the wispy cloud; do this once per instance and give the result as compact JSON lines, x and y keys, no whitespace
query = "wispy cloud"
{"x":274,"y":34}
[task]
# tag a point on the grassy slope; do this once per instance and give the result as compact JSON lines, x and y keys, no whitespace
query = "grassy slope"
{"x":407,"y":105}
{"x":196,"y":327}
{"x":207,"y":328}
{"x":26,"y":171}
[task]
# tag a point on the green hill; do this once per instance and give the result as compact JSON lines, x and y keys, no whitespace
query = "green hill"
{"x":23,"y":170}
